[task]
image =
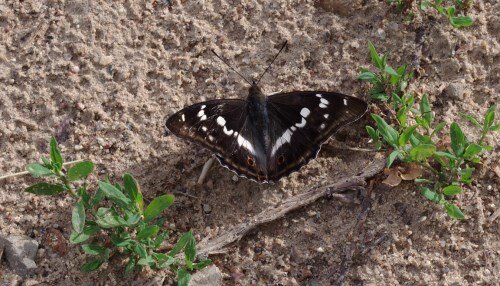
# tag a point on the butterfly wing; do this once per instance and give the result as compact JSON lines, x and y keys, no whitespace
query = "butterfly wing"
{"x":302,"y":121}
{"x":222,"y":126}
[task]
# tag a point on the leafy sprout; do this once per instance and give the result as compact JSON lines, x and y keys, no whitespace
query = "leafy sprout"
{"x":114,"y":219}
{"x":414,"y":136}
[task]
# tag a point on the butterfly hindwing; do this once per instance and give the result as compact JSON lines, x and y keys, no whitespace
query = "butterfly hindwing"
{"x":302,"y":121}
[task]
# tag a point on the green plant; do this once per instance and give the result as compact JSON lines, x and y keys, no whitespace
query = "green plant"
{"x":414,"y":138}
{"x":113,"y":220}
{"x":448,"y":11}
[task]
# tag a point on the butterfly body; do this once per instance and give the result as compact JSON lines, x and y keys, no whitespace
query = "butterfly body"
{"x":266,"y":137}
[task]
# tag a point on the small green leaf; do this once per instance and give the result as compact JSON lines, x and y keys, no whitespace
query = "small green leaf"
{"x":472,"y":120}
{"x":133,"y":191}
{"x":92,"y":265}
{"x":183,"y":277}
{"x":122,"y":240}
{"x":78,"y":217}
{"x":115,"y":195}
{"x":438,"y":128}
{"x":37,"y":170}
{"x":183,"y":240}
{"x":367,"y":76}
{"x":98,"y":197}
{"x":391,"y":71}
{"x":433,"y":196}
{"x":164,"y":260}
{"x":373,"y":134}
{"x":376,"y":60}
{"x":489,"y":118}
{"x":190,"y":249}
{"x":140,"y":250}
{"x":148,"y":260}
{"x":148,"y":232}
{"x":157,"y":206}
{"x":425,"y":110}
{"x":454,"y":211}
{"x":202,"y":264}
{"x":55,"y":152}
{"x":93,"y":249}
{"x":405,"y":136}
{"x":445,"y":154}
{"x":109,"y":218}
{"x":461,"y":21}
{"x":495,"y":127}
{"x":380,"y":96}
{"x":394,"y":154}
{"x":45,"y":189}
{"x":422,"y":152}
{"x":472,"y":150}
{"x":389,"y":134}
{"x":452,"y":190}
{"x":130,"y":265}
{"x":87,"y":232}
{"x":466,"y":175}
{"x":80,"y":170}
{"x":457,"y":139}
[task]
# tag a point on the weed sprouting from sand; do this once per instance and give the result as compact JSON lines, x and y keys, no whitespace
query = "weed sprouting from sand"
{"x":449,"y":11}
{"x":441,"y":168}
{"x":114,"y":221}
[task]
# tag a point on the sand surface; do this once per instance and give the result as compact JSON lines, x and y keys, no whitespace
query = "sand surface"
{"x":102,"y":76}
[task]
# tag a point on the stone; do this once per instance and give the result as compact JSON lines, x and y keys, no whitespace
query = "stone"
{"x":454,"y":90}
{"x":20,"y":252}
{"x":209,"y":276}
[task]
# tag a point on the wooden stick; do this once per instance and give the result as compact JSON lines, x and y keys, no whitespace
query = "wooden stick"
{"x":204,"y":171}
{"x":26,"y":172}
{"x":216,"y":245}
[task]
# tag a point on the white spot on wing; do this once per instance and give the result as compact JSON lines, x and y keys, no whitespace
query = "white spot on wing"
{"x":318,"y":95}
{"x":293,"y":128}
{"x":204,"y":117}
{"x":183,"y":117}
{"x":221,"y":121}
{"x":326,"y":116}
{"x":245,"y":144}
{"x":305,"y":112}
{"x":201,"y":113}
{"x":204,"y":128}
{"x":210,"y":137}
{"x":324,"y":101}
{"x":322,"y":126}
{"x":285,"y":138}
{"x":228,"y":132}
{"x":203,"y":106}
{"x":302,"y":123}
{"x":322,"y":105}
{"x":345,"y":101}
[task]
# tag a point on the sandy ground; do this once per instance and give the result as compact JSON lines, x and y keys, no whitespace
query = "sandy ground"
{"x":102,"y":76}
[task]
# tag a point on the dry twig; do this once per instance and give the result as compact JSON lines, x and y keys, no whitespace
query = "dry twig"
{"x":217,"y":244}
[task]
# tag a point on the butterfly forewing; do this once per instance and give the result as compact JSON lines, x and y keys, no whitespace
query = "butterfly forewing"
{"x":223,"y":127}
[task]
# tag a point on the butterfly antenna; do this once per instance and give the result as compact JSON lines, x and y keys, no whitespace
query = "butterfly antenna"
{"x":282,"y":47}
{"x":231,"y":67}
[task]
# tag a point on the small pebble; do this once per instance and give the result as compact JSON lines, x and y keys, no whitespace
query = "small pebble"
{"x":74,"y":69}
{"x":235,"y":178}
{"x":320,"y":249}
{"x":78,"y":147}
{"x":105,"y":60}
{"x":207,"y":208}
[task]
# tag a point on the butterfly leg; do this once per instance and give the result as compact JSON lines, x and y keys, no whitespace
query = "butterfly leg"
{"x":205,"y":170}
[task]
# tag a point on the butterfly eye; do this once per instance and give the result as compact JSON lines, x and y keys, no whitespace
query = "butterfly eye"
{"x":281,"y":159}
{"x":250,"y":161}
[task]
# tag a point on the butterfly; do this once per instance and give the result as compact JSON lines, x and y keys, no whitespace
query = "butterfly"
{"x":265,"y":138}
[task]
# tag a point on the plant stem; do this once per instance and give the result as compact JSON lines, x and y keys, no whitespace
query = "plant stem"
{"x":26,"y":172}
